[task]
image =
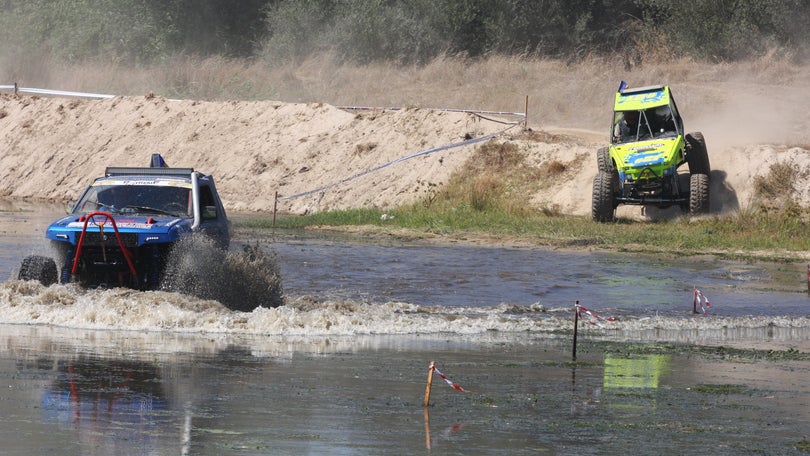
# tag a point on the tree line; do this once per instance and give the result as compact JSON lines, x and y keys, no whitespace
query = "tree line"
{"x":405,"y":31}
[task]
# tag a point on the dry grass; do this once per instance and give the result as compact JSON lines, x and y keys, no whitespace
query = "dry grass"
{"x":777,"y":183}
{"x":496,"y":178}
{"x":774,"y":192}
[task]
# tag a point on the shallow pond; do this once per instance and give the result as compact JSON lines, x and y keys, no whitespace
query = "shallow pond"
{"x":92,"y":392}
{"x":342,"y":369}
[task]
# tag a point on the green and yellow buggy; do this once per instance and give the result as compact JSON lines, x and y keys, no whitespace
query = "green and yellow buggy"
{"x":648,"y":146}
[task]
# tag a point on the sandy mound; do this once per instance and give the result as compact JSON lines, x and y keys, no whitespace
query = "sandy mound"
{"x":52,"y":147}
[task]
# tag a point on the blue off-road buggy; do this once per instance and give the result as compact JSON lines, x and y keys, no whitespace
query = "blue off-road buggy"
{"x":124,"y":226}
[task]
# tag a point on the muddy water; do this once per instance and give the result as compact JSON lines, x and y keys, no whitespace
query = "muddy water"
{"x":348,"y":267}
{"x":120,"y":372}
{"x":488,"y":276}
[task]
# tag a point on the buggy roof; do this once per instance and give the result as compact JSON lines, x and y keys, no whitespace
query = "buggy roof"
{"x":141,"y":180}
{"x":642,"y":98}
{"x":152,"y":171}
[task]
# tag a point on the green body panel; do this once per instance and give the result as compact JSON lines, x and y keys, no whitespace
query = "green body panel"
{"x":636,"y":160}
{"x":659,"y":96}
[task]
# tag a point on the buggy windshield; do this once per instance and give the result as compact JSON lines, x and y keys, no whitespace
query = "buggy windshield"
{"x":167,"y":200}
{"x":644,"y":124}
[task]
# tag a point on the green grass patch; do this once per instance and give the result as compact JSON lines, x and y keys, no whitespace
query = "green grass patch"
{"x":720,"y":389}
{"x":735,"y":236}
{"x":488,"y":197}
{"x":803,"y":445}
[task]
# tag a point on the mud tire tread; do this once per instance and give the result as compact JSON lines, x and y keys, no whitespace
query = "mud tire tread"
{"x":39,"y":268}
{"x":698,"y":194}
{"x":697,"y":156}
{"x":603,"y":205}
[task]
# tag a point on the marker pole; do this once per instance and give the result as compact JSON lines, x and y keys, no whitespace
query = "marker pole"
{"x":275,"y":207}
{"x":526,"y":114}
{"x":427,"y":429}
{"x":576,"y":324}
{"x":429,"y":383}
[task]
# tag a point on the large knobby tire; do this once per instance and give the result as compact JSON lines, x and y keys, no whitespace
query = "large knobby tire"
{"x":604,"y":198}
{"x":697,"y":156}
{"x":603,"y":161}
{"x":40,"y":268}
{"x":698,"y":194}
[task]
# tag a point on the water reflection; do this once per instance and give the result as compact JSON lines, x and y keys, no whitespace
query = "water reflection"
{"x":624,"y":379}
{"x":640,"y":371}
{"x":108,"y":403}
{"x":117,"y":392}
{"x":131,"y":406}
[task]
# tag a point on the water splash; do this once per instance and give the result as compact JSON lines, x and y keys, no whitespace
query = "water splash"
{"x":121,"y":309}
{"x":241,"y":280}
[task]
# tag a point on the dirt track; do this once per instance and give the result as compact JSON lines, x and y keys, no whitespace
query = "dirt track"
{"x":51,"y":147}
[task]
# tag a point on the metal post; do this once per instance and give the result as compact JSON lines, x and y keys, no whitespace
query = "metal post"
{"x":526,"y":114}
{"x":275,"y":207}
{"x":576,"y":323}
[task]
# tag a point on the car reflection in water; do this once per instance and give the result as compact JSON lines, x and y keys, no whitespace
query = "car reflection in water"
{"x":101,"y":397}
{"x":642,"y":371}
{"x":129,"y":406}
{"x":631,"y":383}
{"x":624,"y":380}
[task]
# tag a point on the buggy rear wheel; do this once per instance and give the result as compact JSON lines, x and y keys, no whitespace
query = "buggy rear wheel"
{"x":40,"y":268}
{"x":696,"y":154}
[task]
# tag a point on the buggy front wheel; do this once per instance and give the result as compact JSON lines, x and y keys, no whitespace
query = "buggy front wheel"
{"x":39,"y":268}
{"x":698,"y":194}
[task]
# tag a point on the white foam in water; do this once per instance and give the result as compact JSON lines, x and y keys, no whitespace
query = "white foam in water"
{"x":29,"y":303}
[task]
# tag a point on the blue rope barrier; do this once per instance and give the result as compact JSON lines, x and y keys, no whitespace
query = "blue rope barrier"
{"x":399,"y":160}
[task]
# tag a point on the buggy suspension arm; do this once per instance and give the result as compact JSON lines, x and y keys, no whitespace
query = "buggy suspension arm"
{"x":124,"y":250}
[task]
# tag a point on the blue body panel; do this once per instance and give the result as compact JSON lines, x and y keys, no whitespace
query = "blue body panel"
{"x":150,"y":230}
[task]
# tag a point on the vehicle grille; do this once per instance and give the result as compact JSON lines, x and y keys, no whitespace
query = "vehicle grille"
{"x":95,"y":239}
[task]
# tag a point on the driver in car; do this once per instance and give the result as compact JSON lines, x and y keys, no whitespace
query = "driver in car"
{"x":627,"y":127}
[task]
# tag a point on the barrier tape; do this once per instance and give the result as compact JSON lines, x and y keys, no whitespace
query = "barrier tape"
{"x":64,"y":93}
{"x":397,"y":108}
{"x":449,"y":382}
{"x":594,"y":319}
{"x":703,"y":300}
